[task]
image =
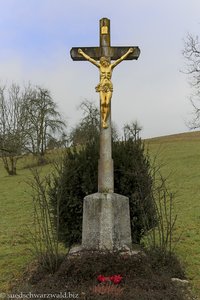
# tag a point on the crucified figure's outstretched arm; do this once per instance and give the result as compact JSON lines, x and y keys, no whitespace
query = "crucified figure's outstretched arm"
{"x":113,"y":65}
{"x":93,"y":61}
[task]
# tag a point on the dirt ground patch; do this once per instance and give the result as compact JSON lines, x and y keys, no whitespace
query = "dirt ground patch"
{"x":144,"y":277}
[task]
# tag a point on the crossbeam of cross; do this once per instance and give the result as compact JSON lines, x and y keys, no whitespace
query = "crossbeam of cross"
{"x":104,"y":49}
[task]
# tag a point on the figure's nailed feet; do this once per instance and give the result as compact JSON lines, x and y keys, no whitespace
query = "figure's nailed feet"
{"x":104,"y":125}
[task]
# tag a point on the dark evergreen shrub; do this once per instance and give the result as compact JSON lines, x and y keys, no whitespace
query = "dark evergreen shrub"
{"x":132,"y":178}
{"x":79,"y":178}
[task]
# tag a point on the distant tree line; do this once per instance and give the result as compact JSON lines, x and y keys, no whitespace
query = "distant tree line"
{"x":29,"y":123}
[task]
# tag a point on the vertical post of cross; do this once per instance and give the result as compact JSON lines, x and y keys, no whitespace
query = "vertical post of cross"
{"x":104,"y":37}
{"x":105,"y":164}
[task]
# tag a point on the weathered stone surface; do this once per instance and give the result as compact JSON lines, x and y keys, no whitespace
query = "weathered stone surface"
{"x":106,"y":222}
{"x":105,"y":164}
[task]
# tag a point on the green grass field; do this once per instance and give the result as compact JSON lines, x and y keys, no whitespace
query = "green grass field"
{"x":16,"y":219}
{"x":15,"y":214}
{"x":180,"y":156}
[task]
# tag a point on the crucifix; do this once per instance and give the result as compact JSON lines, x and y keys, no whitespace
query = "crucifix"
{"x":101,"y":57}
{"x":106,"y":215}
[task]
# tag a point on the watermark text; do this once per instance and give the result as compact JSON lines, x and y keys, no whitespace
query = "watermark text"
{"x":30,"y":295}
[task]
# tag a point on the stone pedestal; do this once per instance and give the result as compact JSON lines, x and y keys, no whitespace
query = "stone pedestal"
{"x":106,"y":222}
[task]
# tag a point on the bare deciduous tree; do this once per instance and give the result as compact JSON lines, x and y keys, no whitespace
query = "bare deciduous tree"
{"x":11,"y":125}
{"x":42,"y":120}
{"x":88,"y":128}
{"x":191,"y":53}
{"x":132,"y":130}
{"x":29,"y":119}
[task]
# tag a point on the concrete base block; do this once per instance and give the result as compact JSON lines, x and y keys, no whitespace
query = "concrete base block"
{"x":106,"y":222}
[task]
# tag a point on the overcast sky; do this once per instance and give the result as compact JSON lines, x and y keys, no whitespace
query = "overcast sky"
{"x":36,"y":37}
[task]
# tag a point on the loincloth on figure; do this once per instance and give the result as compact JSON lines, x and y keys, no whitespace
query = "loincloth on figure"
{"x":104,"y":86}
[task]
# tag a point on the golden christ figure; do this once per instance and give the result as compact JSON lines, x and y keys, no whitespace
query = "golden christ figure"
{"x":105,"y":86}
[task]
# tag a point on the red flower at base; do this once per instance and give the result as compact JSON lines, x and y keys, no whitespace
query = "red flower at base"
{"x":116,"y":279}
{"x":102,"y":278}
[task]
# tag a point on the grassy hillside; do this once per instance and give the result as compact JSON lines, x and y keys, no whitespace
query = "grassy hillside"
{"x":16,"y":217}
{"x":15,"y":213}
{"x":180,"y":156}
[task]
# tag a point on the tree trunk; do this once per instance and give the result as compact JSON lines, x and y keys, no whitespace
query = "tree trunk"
{"x":9,"y":163}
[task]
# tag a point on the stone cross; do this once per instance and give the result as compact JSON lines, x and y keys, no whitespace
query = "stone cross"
{"x":105,"y":166}
{"x":106,"y":215}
